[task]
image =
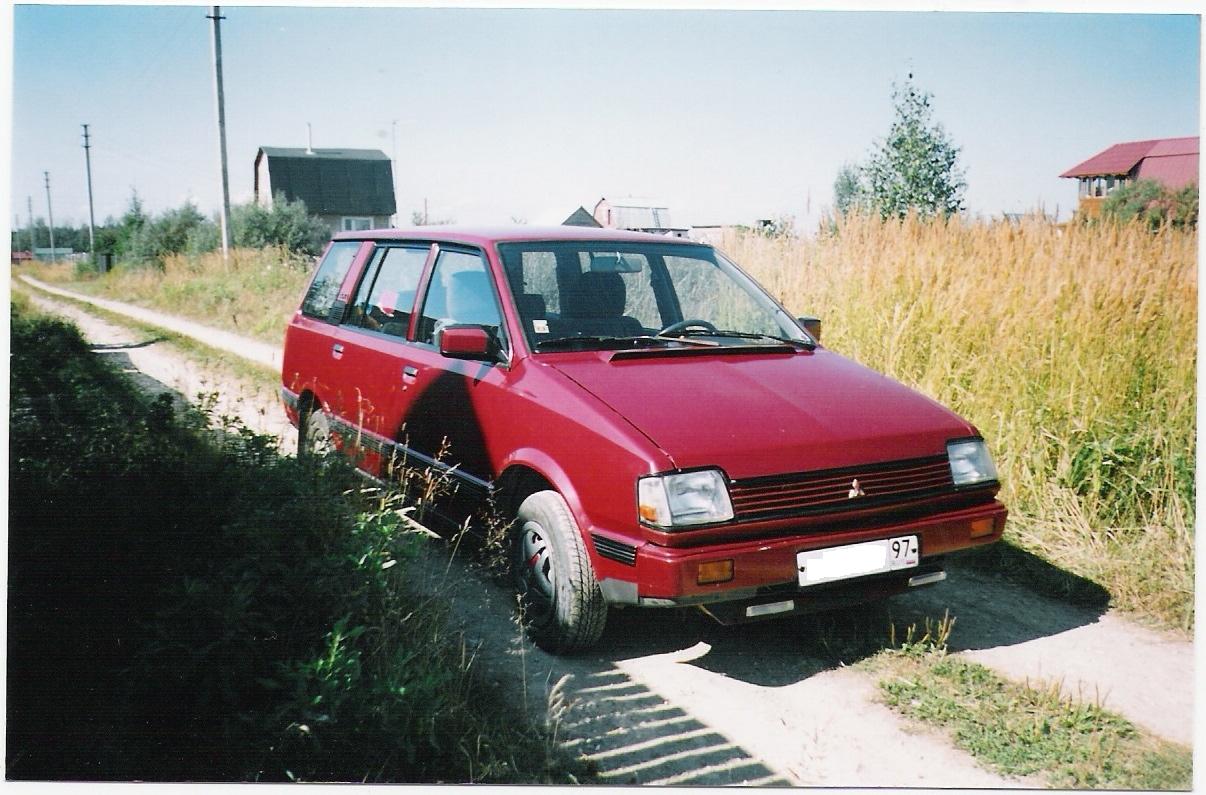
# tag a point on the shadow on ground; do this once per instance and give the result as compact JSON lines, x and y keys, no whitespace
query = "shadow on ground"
{"x":633,"y":735}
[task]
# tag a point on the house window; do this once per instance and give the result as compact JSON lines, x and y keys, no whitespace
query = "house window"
{"x":356,"y":223}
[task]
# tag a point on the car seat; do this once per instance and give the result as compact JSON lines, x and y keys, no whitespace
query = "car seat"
{"x":594,"y":305}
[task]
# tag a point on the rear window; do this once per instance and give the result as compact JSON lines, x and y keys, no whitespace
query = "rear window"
{"x":331,"y":272}
{"x":387,"y":292}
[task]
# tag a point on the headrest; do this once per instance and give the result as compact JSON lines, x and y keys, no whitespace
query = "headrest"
{"x":594,"y":294}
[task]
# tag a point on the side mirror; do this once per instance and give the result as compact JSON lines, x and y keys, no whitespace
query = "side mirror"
{"x":467,"y":342}
{"x":812,"y":325}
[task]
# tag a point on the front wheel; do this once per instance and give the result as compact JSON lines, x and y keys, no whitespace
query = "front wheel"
{"x":563,"y":608}
{"x":314,"y":434}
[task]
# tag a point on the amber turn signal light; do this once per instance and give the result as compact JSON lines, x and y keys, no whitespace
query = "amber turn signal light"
{"x":715,"y":571}
{"x":981,"y":527}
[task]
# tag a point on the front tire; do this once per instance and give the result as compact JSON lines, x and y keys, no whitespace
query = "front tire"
{"x":562,"y":607}
{"x":314,"y":434}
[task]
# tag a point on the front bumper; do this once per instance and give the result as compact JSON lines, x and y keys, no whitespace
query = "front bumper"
{"x":764,"y":569}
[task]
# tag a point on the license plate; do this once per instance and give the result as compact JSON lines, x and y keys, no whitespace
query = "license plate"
{"x":856,"y":560}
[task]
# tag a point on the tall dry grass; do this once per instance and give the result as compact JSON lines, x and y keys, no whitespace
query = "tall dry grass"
{"x":253,"y":293}
{"x":1071,"y":348}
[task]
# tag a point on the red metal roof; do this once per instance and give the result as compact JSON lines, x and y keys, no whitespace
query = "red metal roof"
{"x":1174,"y":171}
{"x":1120,"y":159}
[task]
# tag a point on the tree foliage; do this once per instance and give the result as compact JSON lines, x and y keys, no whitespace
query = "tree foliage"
{"x":285,"y":224}
{"x":1153,"y":204}
{"x":849,"y":190}
{"x":139,"y":238}
{"x":914,"y":169}
{"x":168,"y":233}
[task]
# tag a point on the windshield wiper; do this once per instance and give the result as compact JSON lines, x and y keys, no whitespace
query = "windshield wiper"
{"x":596,"y":340}
{"x":587,"y":341}
{"x":751,"y":335}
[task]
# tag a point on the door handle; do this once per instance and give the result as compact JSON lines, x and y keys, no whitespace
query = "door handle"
{"x":409,"y":371}
{"x":337,"y":351}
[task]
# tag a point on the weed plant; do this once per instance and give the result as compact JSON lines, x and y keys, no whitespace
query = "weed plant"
{"x":1071,"y":348}
{"x":186,"y":605}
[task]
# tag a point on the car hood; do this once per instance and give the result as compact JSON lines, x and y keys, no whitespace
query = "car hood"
{"x":755,"y":414}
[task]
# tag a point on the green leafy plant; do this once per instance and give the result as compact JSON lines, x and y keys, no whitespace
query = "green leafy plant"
{"x":915,"y":169}
{"x":285,"y":224}
{"x":219,"y":612}
{"x":1152,"y":204}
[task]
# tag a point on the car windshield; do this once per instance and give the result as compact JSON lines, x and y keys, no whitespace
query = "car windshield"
{"x":576,"y":295}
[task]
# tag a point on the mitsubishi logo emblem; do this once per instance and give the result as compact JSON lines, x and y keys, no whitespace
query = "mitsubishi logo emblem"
{"x":855,"y":490}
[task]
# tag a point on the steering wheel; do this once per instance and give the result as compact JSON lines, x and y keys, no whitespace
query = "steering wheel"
{"x":683,"y":325}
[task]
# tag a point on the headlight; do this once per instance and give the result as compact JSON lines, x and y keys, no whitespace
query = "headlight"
{"x":687,"y":498}
{"x":970,"y":462}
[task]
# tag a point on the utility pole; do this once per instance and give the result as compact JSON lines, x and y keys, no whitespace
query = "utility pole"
{"x":50,"y":216}
{"x":393,"y":167}
{"x":29,"y":208}
{"x":220,"y":97}
{"x":91,"y":217}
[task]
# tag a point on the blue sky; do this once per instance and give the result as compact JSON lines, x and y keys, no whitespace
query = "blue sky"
{"x":726,"y":115}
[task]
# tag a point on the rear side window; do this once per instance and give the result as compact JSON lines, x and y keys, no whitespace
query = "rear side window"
{"x":387,"y":292}
{"x":331,"y":271}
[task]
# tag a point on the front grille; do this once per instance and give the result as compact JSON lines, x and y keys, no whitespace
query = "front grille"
{"x":834,"y":490}
{"x":614,"y":550}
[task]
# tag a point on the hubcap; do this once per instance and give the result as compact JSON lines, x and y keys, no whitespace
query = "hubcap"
{"x":318,"y":438}
{"x":537,"y":560}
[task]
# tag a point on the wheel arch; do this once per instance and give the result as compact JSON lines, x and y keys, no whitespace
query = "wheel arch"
{"x":528,"y":471}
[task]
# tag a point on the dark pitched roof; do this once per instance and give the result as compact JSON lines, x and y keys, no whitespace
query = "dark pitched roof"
{"x":581,"y":217}
{"x":1120,"y":159}
{"x":333,"y":181}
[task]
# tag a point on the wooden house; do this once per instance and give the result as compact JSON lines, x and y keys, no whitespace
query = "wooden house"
{"x":1173,"y":162}
{"x":350,"y":189}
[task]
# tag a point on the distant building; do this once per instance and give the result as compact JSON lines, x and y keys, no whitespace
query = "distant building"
{"x":54,"y":253}
{"x":638,"y":215}
{"x":350,"y":189}
{"x":1173,"y":162}
{"x":19,"y":257}
{"x":580,"y":217}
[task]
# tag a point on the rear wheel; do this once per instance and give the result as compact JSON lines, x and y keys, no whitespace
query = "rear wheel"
{"x":563,"y":608}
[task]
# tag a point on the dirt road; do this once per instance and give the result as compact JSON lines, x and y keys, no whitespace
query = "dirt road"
{"x":670,"y":697}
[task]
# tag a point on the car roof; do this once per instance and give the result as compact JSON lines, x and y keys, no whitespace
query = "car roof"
{"x":484,"y":235}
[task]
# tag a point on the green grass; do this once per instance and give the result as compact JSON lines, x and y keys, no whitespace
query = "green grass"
{"x":261,"y":376}
{"x":184,"y":604}
{"x":252,"y":294}
{"x":1023,"y":730}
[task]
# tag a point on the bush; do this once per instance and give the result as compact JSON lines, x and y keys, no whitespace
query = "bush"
{"x":1153,"y":204}
{"x":285,"y":224}
{"x":185,"y":604}
{"x":167,"y":234}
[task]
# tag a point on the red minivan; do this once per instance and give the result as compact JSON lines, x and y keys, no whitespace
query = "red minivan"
{"x":662,"y":431}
